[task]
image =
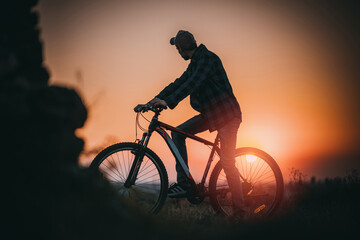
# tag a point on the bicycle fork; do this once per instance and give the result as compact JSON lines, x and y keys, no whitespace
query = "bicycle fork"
{"x":139,"y":156}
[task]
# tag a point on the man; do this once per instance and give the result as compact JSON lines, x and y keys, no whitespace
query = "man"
{"x":206,"y":82}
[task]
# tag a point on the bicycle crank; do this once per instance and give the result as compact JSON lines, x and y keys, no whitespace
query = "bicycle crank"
{"x":196,"y":194}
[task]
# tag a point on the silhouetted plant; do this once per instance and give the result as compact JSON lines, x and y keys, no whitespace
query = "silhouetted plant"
{"x":296,"y":176}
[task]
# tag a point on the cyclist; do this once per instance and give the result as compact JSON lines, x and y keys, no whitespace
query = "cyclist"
{"x":211,"y":94}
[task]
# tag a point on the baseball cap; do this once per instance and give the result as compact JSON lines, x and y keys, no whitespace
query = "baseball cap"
{"x":184,"y":39}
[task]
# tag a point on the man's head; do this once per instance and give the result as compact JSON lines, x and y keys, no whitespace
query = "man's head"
{"x":185,"y":44}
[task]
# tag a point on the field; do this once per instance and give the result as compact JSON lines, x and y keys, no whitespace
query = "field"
{"x":329,"y":207}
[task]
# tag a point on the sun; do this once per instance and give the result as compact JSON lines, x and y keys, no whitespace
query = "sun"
{"x":250,"y":158}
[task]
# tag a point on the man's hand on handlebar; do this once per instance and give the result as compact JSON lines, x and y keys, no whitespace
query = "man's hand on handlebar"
{"x":155,"y":105}
{"x":157,"y":102}
{"x":139,"y":108}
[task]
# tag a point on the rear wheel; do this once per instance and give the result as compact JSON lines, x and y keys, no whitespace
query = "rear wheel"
{"x":262,"y":184}
{"x":150,"y":188}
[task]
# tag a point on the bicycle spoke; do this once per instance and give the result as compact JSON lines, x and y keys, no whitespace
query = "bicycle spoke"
{"x":246,"y":173}
{"x":142,"y":179}
{"x":121,"y":163}
{"x":264,"y":179}
{"x":260,"y":169}
{"x":259,"y":186}
{"x":122,"y":173}
{"x":148,"y":171}
{"x":253,"y":169}
{"x":126,"y":169}
{"x":251,"y":164}
{"x":242,"y":167}
{"x":142,"y":182}
{"x":264,"y":173}
{"x":143,"y":167}
{"x":128,"y":161}
{"x":257,"y":165}
{"x":148,"y":190}
{"x":149,"y":177}
{"x":111,"y":170}
{"x":115,"y":180}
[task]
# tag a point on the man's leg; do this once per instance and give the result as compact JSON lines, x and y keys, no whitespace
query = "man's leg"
{"x":194,"y":125}
{"x":228,"y":135}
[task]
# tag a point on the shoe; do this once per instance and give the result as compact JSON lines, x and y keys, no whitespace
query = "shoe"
{"x":177,"y":191}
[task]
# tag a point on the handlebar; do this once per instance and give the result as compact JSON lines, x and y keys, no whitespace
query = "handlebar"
{"x":146,"y":107}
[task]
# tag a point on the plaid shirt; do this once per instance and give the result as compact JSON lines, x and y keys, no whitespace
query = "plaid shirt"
{"x":206,"y":82}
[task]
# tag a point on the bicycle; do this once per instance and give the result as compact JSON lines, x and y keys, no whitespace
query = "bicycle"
{"x":139,"y":174}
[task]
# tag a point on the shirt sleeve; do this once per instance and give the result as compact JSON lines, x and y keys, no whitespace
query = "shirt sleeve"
{"x":189,"y":84}
{"x":174,"y":85}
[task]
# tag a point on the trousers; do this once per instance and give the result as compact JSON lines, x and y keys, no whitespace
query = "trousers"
{"x":228,"y":135}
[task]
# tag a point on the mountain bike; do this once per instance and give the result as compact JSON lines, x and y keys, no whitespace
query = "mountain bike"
{"x":138,"y":173}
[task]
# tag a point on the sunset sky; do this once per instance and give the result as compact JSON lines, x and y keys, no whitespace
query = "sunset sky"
{"x":289,"y":65}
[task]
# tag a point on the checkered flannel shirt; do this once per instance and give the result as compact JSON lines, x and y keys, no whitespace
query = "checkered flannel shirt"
{"x":206,"y":82}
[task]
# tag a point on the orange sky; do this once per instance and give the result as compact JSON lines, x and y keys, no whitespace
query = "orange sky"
{"x":285,"y":73}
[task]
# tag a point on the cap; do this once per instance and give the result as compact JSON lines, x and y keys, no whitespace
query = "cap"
{"x":184,"y":39}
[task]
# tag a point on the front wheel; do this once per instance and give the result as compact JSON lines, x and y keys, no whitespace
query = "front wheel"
{"x":149,"y":190}
{"x":262,"y":184}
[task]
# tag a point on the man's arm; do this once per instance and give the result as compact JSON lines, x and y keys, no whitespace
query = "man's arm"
{"x":173,"y":86}
{"x":190,"y":84}
{"x":158,"y":99}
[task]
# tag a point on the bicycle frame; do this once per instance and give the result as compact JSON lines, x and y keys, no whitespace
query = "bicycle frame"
{"x":160,"y":127}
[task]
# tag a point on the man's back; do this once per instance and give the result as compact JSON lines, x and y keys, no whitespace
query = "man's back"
{"x":206,"y":82}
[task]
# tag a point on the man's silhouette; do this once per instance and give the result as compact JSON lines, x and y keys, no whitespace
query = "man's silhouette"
{"x":206,"y":82}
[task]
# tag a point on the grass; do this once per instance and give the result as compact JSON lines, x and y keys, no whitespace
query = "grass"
{"x":328,"y":207}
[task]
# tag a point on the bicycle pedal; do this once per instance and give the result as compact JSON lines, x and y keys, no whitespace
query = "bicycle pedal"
{"x":195,"y":199}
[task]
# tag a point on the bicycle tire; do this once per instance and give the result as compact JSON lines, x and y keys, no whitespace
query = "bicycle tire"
{"x":116,"y":172}
{"x":254,"y":209}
